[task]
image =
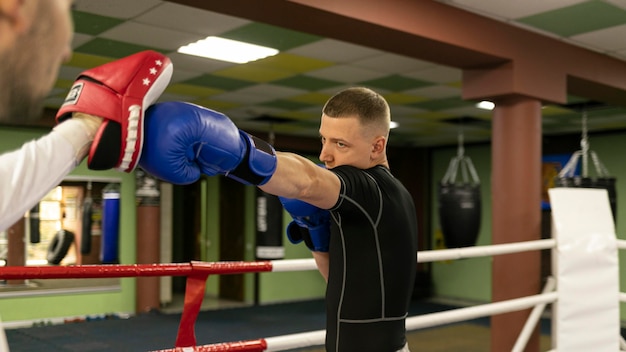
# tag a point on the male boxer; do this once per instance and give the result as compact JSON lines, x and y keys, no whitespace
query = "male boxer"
{"x":369,"y":259}
{"x":35,"y":38}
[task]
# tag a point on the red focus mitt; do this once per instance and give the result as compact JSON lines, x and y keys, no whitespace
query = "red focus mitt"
{"x":119,"y":92}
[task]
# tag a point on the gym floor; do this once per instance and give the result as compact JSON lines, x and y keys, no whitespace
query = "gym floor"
{"x":157,"y":330}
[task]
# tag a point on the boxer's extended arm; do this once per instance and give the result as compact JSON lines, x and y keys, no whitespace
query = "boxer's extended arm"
{"x":298,"y":177}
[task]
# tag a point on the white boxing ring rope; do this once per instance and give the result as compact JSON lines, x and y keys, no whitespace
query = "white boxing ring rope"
{"x":201,"y":270}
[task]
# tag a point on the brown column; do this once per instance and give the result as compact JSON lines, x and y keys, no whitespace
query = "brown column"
{"x":516,"y":212}
{"x":148,"y":243}
{"x":16,"y":254}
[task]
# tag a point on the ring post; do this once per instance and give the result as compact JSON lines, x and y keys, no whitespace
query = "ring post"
{"x":585,"y":261}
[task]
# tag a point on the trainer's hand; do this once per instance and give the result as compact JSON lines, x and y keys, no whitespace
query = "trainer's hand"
{"x":119,"y":92}
{"x":183,"y":141}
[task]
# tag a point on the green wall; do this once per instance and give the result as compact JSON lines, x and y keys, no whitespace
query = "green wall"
{"x":470,"y":279}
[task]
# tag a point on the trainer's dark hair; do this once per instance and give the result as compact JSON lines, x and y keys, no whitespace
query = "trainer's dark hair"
{"x":369,"y":106}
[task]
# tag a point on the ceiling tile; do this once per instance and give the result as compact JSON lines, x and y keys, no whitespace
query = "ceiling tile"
{"x":312,"y":98}
{"x":402,"y":98}
{"x":85,"y":61}
{"x":435,"y":92}
{"x":291,"y":63}
{"x":253,"y":73}
{"x":608,"y":39}
{"x":111,"y":48}
{"x":88,"y":23}
{"x":243,"y":97}
{"x":150,"y":36}
{"x":335,"y":51}
{"x":271,"y":91}
{"x":392,"y":63}
{"x":442,"y":104}
{"x":80,"y":39}
{"x":270,"y":36}
{"x":190,"y":19}
{"x":196,"y":63}
{"x":575,"y":19}
{"x":346,"y":74}
{"x":437,"y":74}
{"x":307,"y":82}
{"x":192,"y":90}
{"x":395,"y":83}
{"x":219,"y":82}
{"x":216,"y":104}
{"x":511,"y":9}
{"x":123,"y":9}
{"x":285,"y":104}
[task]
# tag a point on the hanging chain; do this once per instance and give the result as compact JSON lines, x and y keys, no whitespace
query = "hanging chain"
{"x":584,"y":146}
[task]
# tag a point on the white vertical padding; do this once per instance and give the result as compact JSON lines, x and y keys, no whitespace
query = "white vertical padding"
{"x":586,"y":316}
{"x":167,"y":191}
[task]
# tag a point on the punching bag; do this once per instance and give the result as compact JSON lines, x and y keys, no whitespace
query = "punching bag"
{"x":269,"y":227}
{"x":110,"y":224}
{"x":460,"y":202}
{"x":86,"y":223}
{"x":33,"y":218}
{"x":567,"y":176}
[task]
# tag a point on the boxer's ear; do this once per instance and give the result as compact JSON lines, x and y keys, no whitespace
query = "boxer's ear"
{"x":15,"y":13}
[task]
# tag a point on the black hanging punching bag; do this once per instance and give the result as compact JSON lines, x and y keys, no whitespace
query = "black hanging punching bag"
{"x":568,"y":175}
{"x":460,"y":202}
{"x":459,"y":213}
{"x":269,"y":227}
{"x":33,"y":218}
{"x":605,"y":182}
{"x":85,"y":237}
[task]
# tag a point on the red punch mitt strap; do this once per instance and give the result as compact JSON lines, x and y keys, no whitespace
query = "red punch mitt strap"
{"x":119,"y":92}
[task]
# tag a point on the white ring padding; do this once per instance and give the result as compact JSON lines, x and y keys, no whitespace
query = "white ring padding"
{"x":293,"y":265}
{"x":483,"y":251}
{"x":586,"y":266}
{"x":461,"y":314}
{"x":288,"y":342}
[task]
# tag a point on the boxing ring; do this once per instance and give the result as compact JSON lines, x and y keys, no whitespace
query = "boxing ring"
{"x":585,"y":257}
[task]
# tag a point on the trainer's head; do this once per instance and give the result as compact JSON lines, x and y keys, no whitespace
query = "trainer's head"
{"x":35,"y":39}
{"x":354,"y":129}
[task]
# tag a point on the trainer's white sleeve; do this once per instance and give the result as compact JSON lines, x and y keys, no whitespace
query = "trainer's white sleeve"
{"x":29,"y":173}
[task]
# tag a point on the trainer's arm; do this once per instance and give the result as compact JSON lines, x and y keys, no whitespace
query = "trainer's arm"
{"x":298,"y":177}
{"x":28,"y":173}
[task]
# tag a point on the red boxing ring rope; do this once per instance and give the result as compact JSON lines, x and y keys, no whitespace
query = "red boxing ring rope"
{"x":198,"y":272}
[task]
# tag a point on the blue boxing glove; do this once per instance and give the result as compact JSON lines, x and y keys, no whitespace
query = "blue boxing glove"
{"x":183,"y":141}
{"x":310,"y":224}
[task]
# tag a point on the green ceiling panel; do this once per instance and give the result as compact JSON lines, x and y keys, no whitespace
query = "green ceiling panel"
{"x":192,"y":90}
{"x":307,"y":82}
{"x":575,"y":19}
{"x":270,"y":36}
{"x":111,"y":48}
{"x":92,"y":24}
{"x":442,"y":104}
{"x":286,"y":104}
{"x":396,"y":83}
{"x":218,"y":82}
{"x":87,"y":61}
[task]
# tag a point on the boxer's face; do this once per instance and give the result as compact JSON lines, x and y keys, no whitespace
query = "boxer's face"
{"x":31,"y":64}
{"x":345,"y":142}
